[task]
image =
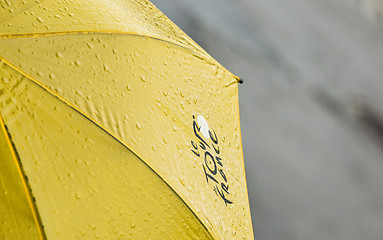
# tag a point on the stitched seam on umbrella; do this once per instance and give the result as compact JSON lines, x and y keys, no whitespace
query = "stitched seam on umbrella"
{"x":212,"y":233}
{"x":47,"y":34}
{"x":26,"y":186}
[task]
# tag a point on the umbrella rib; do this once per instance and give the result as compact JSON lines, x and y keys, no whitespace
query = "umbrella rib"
{"x":206,"y":57}
{"x":26,"y":186}
{"x":213,"y":233}
{"x":47,"y":34}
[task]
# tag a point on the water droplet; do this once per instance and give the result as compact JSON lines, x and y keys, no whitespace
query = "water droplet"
{"x":106,"y":68}
{"x":174,"y":128}
{"x":77,"y":62}
{"x":59,"y":55}
{"x":39,"y":19}
{"x":5,"y":80}
{"x":59,"y":90}
{"x":78,"y":195}
{"x":133,"y":225}
{"x":12,"y":100}
{"x":143,"y":78}
{"x":89,"y":45}
{"x":92,"y":226}
{"x":79,"y":93}
{"x":165,"y":93}
{"x":58,"y":16}
{"x":182,"y":180}
{"x":138,"y":126}
{"x":114,"y":51}
{"x":166,"y":112}
{"x":40,"y":74}
{"x":52,"y":76}
{"x":128,"y":88}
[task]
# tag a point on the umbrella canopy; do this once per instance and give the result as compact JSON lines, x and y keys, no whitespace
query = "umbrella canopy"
{"x":114,"y":124}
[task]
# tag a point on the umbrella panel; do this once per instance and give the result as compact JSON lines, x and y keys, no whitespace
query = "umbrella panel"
{"x":18,"y":219}
{"x":86,"y":184}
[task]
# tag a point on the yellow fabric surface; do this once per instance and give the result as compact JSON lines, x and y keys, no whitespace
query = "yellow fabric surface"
{"x":123,"y":16}
{"x":18,"y":218}
{"x":86,"y":184}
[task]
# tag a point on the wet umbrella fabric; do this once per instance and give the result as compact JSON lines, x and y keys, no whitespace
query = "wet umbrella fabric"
{"x":115,"y":125}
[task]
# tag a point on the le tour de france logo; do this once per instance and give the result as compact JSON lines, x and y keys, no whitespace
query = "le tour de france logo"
{"x":207,"y":150}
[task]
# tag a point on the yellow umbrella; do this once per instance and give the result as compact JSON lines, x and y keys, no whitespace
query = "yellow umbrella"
{"x":114,"y":124}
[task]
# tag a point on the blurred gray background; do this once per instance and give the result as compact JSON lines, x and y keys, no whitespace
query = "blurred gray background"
{"x":311,"y":108}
